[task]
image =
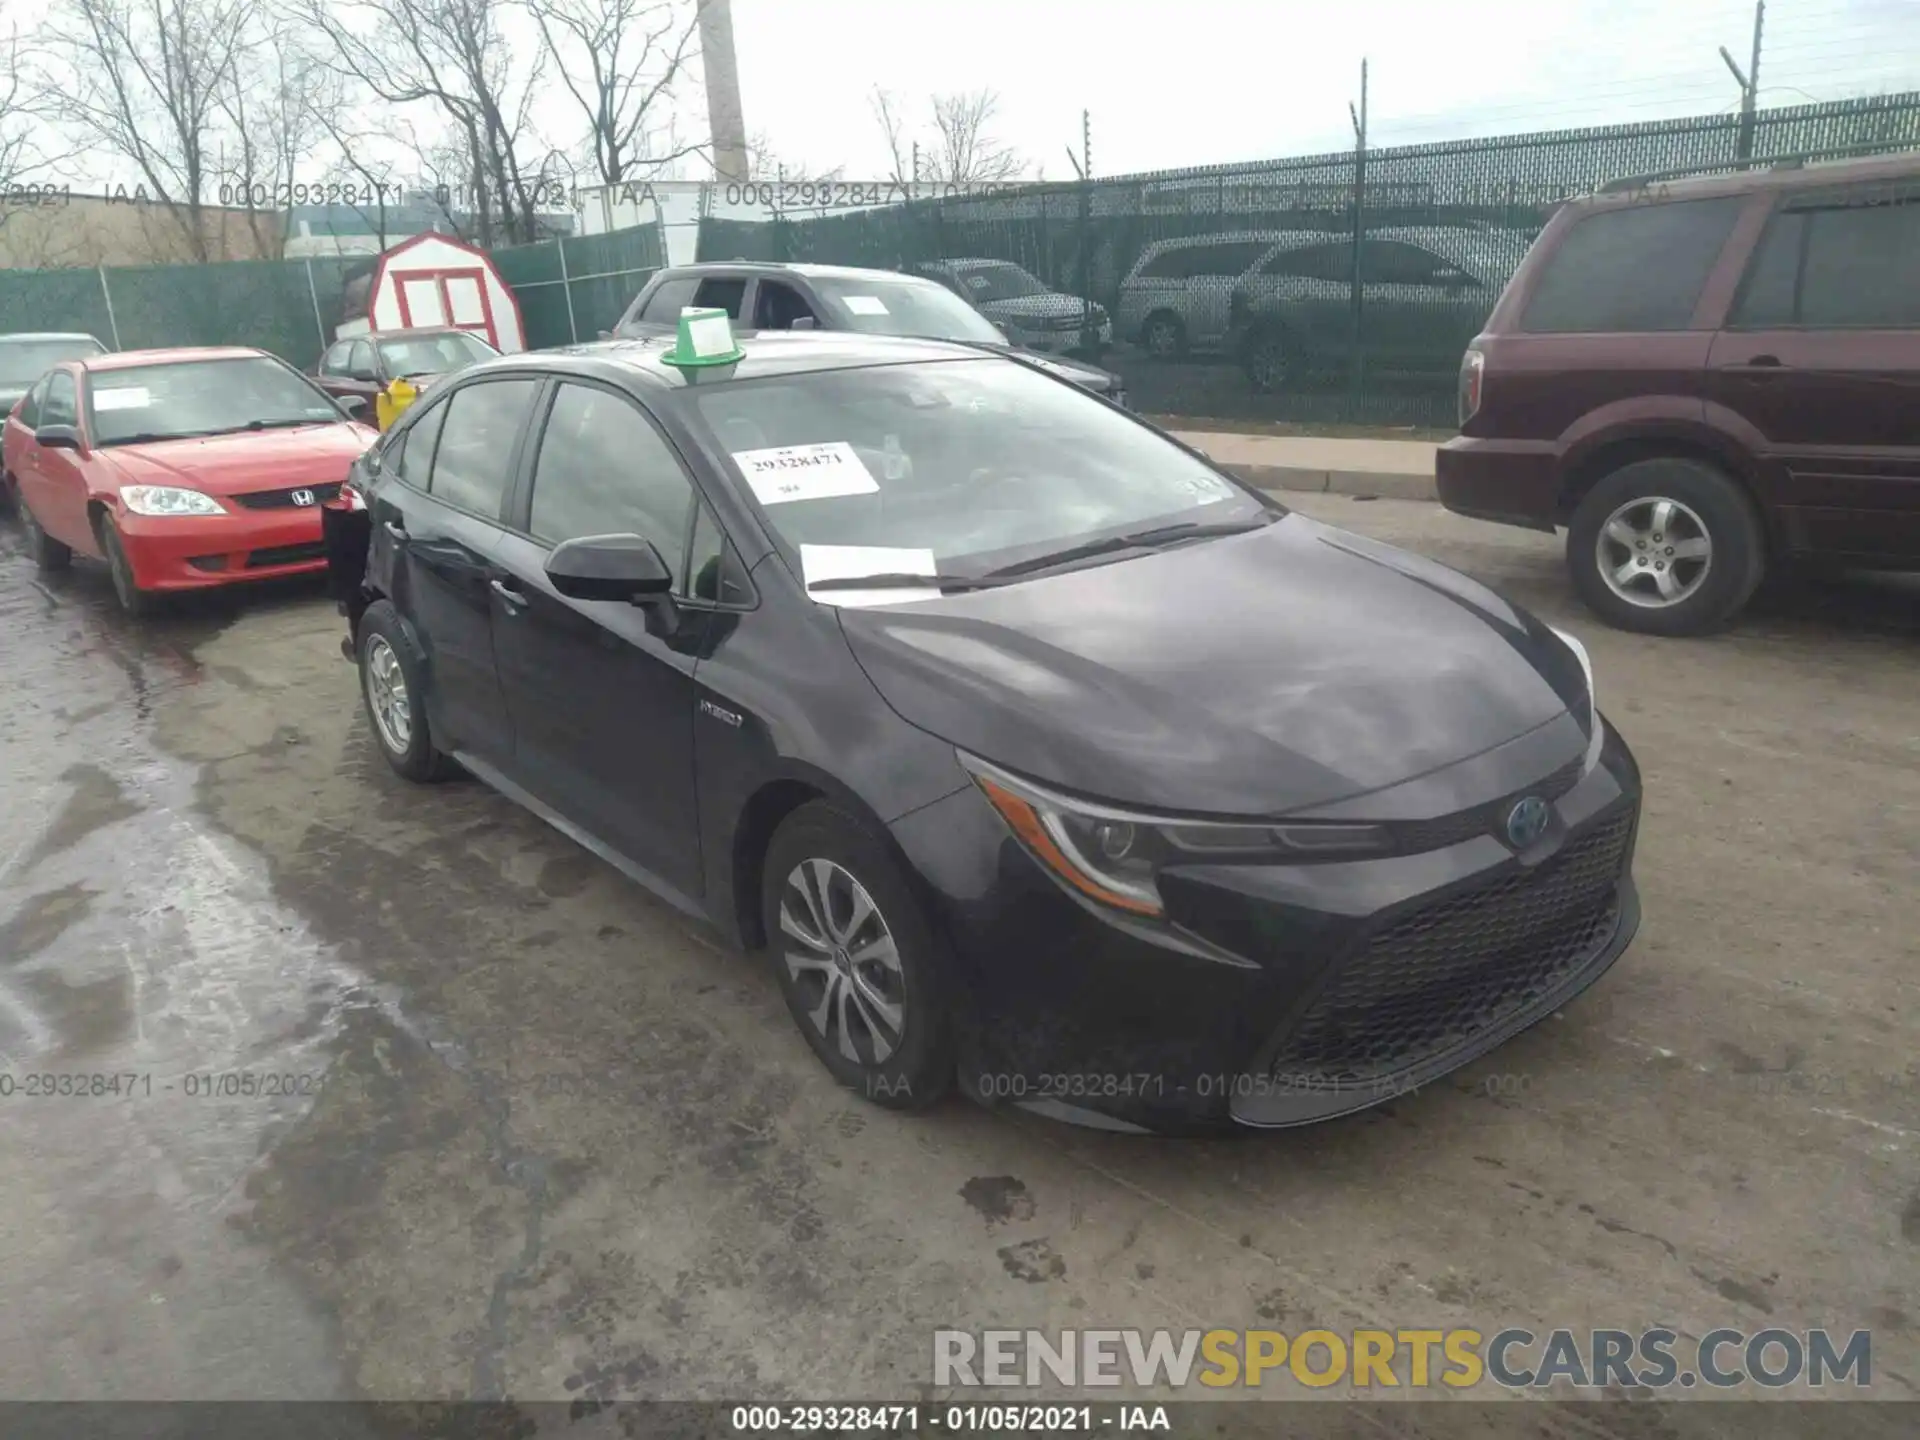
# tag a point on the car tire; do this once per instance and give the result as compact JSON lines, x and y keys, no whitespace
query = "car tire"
{"x":880,"y":1024}
{"x":48,"y":553}
{"x":1267,"y":361}
{"x":9,"y":494}
{"x":126,"y":587}
{"x":1667,"y":546}
{"x":392,"y":670}
{"x":1163,"y":336}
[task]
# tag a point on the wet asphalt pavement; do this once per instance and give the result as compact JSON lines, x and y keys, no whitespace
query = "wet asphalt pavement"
{"x":417,"y":1099}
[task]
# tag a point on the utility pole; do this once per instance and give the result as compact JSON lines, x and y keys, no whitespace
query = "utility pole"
{"x":1749,"y":82}
{"x":1359,"y":116}
{"x":726,"y":123}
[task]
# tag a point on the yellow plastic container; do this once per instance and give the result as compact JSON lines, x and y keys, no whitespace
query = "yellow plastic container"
{"x":392,"y":401}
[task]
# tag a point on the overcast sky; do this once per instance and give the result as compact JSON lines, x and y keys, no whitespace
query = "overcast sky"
{"x":1186,"y":82}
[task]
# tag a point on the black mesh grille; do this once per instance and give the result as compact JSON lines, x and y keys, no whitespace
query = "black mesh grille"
{"x":283,"y":499}
{"x":285,"y":555}
{"x":1417,"y":835}
{"x":1437,"y":978}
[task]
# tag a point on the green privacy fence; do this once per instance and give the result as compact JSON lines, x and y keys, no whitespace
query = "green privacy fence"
{"x":1231,"y":291}
{"x":566,"y":288}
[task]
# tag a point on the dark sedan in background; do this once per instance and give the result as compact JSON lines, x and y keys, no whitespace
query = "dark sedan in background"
{"x":838,"y":297}
{"x":1039,"y":754}
{"x":364,"y":365}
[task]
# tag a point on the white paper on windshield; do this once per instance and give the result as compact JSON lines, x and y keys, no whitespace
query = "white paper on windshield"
{"x":127,"y":397}
{"x":850,"y":562}
{"x":864,"y":304}
{"x":805,"y":472}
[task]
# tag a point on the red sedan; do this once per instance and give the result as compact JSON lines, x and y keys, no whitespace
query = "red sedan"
{"x":182,"y":469}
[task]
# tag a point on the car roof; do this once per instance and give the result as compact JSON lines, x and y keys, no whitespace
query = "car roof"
{"x":1789,"y":175}
{"x":406,"y":330}
{"x":787,"y":267}
{"x":43,"y":335}
{"x":122,"y":359}
{"x":1218,"y":237}
{"x":767,"y":352}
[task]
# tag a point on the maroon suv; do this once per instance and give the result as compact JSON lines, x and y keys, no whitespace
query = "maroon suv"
{"x":1704,"y":378}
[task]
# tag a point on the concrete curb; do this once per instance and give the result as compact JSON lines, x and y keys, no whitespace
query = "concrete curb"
{"x":1365,"y":484}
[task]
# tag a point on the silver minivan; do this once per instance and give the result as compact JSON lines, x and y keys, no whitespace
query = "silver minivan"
{"x":1174,"y":299}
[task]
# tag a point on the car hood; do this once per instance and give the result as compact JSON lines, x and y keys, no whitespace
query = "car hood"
{"x":255,"y":460}
{"x":1049,"y":306}
{"x":1253,"y":675}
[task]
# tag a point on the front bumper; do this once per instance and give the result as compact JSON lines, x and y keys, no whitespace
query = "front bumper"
{"x":1513,"y":482}
{"x":1281,"y":995}
{"x":1066,"y":342}
{"x":197,"y":552}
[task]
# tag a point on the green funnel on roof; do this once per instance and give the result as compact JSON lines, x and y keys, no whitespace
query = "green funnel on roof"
{"x":706,"y":338}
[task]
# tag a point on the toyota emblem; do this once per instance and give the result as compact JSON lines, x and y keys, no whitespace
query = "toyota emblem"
{"x":302,"y":497}
{"x":1527,"y":822}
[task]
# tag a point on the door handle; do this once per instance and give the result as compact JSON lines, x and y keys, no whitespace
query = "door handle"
{"x":510,"y":597}
{"x":395,"y":529}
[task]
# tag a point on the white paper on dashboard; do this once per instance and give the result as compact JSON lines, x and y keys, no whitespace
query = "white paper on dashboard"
{"x":850,"y":562}
{"x":805,"y":472}
{"x":864,"y":304}
{"x":127,"y":397}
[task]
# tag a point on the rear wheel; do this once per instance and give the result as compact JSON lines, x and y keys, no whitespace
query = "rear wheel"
{"x":1163,"y":336}
{"x":857,"y":960}
{"x":1666,"y":547}
{"x":133,"y":599}
{"x":48,"y":553}
{"x":391,"y":674}
{"x":1267,"y":361}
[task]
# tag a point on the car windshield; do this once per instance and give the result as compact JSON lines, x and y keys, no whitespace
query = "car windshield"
{"x":201,"y":397}
{"x":24,"y":361}
{"x":433,"y":354}
{"x":967,"y":465}
{"x":999,"y":281}
{"x":905,"y":307}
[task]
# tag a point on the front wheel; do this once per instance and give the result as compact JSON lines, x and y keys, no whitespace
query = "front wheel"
{"x":1666,"y":547}
{"x":126,"y":586}
{"x":1267,"y":362}
{"x":858,"y":962}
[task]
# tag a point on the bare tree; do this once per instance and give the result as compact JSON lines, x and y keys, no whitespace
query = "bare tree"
{"x":766,"y":163}
{"x":450,"y":54}
{"x":900,"y":149}
{"x":621,"y":60}
{"x":966,"y":150}
{"x":275,"y":112}
{"x":144,"y":81}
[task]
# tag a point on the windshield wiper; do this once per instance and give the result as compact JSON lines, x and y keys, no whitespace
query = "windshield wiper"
{"x":902,"y":580}
{"x":287,"y":424}
{"x":1133,"y":540}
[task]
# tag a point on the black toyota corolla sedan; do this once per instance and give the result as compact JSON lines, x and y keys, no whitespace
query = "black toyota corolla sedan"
{"x":1041,"y":757}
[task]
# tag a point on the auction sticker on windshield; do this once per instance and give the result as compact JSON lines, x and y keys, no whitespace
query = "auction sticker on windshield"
{"x":864,"y":304}
{"x":805,"y":472}
{"x":127,"y":397}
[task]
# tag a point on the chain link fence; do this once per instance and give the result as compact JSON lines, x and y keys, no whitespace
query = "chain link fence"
{"x":1331,"y":288}
{"x":568,"y":289}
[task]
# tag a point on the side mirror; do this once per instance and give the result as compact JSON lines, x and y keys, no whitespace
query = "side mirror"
{"x":804,"y":322}
{"x":355,"y":406}
{"x":58,"y":437}
{"x":609,"y":567}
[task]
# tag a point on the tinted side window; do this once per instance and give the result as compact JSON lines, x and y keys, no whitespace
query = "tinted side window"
{"x":472,"y":462}
{"x":1394,"y":262}
{"x":720,"y":294}
{"x":1769,"y":293}
{"x":604,"y":470}
{"x":1167,"y":265}
{"x":1636,"y":268}
{"x":673,"y":296}
{"x":62,"y":406}
{"x":1226,"y":261}
{"x":412,"y":459}
{"x":30,"y":407}
{"x":1862,"y":266}
{"x":1312,"y":262}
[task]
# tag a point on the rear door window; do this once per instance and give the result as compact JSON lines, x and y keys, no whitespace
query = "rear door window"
{"x":412,"y":455}
{"x":1852,"y":262}
{"x":1312,"y":262}
{"x":474,"y":459}
{"x":1637,"y":268}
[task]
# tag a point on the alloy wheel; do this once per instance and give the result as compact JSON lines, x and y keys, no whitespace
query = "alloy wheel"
{"x":1163,"y":339}
{"x":387,"y":691}
{"x":1654,"y":552}
{"x":842,"y":958}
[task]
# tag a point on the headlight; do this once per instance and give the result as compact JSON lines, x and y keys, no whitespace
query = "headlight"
{"x":1115,"y":856}
{"x":1596,"y":731}
{"x":168,"y":500}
